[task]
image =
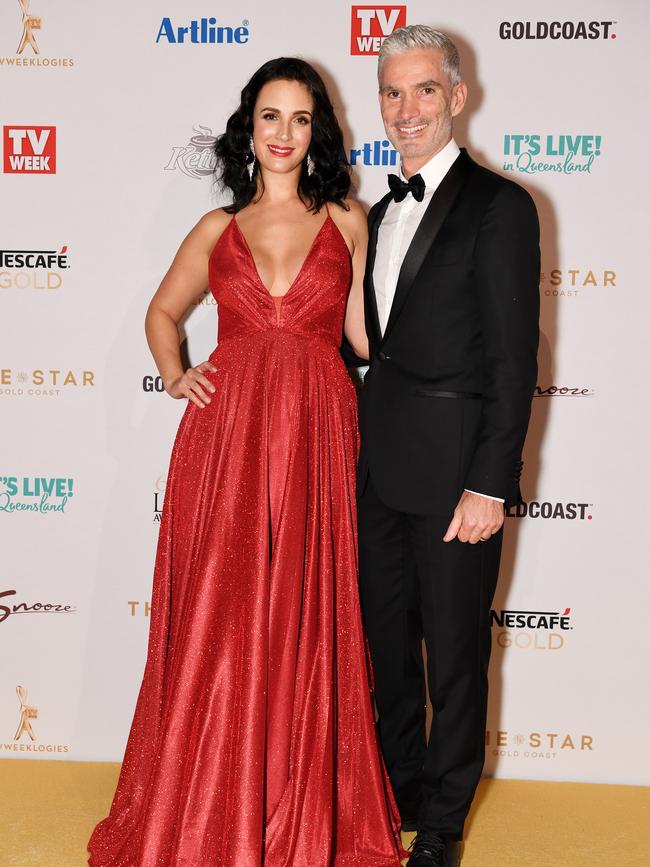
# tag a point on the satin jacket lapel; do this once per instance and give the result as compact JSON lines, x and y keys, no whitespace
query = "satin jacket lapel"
{"x":432,"y":220}
{"x":370,"y":299}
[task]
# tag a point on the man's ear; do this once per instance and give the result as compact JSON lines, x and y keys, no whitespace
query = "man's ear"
{"x":458,"y":98}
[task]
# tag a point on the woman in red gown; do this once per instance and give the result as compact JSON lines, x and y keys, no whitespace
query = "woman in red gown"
{"x":254,"y":740}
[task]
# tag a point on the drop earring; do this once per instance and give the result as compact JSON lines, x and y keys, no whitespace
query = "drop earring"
{"x":311,"y":165}
{"x":251,"y":165}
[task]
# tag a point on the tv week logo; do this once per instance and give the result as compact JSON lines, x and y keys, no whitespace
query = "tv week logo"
{"x":29,"y":150}
{"x":372,"y":24}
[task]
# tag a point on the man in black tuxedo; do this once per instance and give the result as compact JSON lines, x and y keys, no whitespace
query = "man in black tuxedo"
{"x":451,"y":305}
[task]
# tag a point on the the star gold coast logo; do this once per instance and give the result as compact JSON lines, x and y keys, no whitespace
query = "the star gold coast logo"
{"x":576,"y":282}
{"x":42,"y":382}
{"x":538,"y":745}
{"x":25,"y":740}
{"x":30,"y":23}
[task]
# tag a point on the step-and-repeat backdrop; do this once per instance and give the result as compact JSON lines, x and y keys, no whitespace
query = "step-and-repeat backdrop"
{"x":108,"y":117}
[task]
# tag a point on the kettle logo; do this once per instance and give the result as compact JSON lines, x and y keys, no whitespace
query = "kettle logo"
{"x":27,"y":713}
{"x":372,"y":24}
{"x":30,"y":23}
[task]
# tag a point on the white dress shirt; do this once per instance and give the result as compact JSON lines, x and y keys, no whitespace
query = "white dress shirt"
{"x":396,"y":232}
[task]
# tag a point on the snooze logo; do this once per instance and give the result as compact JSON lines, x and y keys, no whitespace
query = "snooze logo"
{"x":7,"y":611}
{"x":372,"y":24}
{"x":29,"y":150}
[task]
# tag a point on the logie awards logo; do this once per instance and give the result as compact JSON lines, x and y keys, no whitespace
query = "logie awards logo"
{"x":25,"y":739}
{"x":23,"y":58}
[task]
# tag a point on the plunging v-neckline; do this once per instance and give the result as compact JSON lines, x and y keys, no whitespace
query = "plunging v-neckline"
{"x":301,"y":269}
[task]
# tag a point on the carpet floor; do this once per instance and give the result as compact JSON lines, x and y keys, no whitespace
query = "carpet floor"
{"x":49,"y":808}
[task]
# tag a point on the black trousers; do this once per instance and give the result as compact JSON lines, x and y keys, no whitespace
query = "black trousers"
{"x":414,"y":586}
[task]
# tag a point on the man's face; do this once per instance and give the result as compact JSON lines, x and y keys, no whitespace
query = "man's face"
{"x":418,"y":103}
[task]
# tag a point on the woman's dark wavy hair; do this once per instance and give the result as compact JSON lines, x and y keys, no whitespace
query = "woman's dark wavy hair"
{"x":330,"y":181}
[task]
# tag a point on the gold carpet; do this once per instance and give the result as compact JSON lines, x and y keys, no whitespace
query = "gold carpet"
{"x":48,"y":809}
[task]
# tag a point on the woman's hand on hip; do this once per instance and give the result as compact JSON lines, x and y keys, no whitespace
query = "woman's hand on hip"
{"x":193,"y":384}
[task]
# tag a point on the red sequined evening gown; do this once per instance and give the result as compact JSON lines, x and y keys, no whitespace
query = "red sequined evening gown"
{"x":254,"y":741}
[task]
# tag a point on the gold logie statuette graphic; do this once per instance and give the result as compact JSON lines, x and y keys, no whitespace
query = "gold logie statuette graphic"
{"x":30,"y":23}
{"x":26,"y":713}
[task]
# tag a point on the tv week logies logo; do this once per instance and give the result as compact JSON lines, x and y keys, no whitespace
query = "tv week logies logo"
{"x":29,"y":150}
{"x":32,"y":57}
{"x":372,"y":24}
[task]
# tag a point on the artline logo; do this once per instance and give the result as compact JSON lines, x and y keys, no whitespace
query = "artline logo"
{"x":29,"y":150}
{"x":569,"y":282}
{"x":372,"y":24}
{"x":43,"y":494}
{"x":552,"y":511}
{"x":196,"y":159}
{"x":531,"y":630}
{"x":202,"y":31}
{"x":43,"y":383}
{"x":562,"y":391}
{"x":27,"y":714}
{"x":568,"y":154}
{"x":557,"y":30}
{"x":33,"y":269}
{"x":7,"y":611}
{"x":30,"y":23}
{"x":373,"y":153}
{"x":158,"y":498}
{"x":537,"y":745}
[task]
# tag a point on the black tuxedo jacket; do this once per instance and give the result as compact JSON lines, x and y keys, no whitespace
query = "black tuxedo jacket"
{"x":446,"y":401}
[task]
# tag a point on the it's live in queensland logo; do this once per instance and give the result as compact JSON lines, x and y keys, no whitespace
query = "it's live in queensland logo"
{"x":46,"y":495}
{"x":202,"y":31}
{"x":567,"y":154}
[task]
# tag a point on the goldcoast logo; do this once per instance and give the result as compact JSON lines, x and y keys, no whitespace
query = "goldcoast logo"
{"x":30,"y":23}
{"x":557,"y":30}
{"x":537,"y":745}
{"x":27,"y":713}
{"x":531,"y":630}
{"x":532,"y":153}
{"x":551,"y":511}
{"x":197,"y":158}
{"x":42,"y":494}
{"x":33,"y":269}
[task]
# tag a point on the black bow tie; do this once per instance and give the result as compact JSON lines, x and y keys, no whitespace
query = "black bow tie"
{"x":400,"y":189}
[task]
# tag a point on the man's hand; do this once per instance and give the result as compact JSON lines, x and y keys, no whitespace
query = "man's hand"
{"x":475,"y":519}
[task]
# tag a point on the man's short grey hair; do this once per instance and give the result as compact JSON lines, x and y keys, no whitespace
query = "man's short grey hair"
{"x":420,"y":36}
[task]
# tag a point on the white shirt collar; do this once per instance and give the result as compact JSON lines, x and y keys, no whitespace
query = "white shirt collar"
{"x":437,"y":167}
